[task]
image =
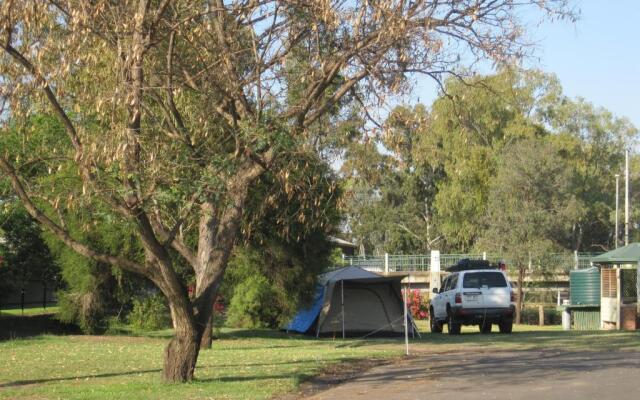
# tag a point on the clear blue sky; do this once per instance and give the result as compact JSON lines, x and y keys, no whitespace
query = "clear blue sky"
{"x":597,"y":58}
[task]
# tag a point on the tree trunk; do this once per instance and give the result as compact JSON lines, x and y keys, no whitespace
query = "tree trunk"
{"x":520,"y":295}
{"x":181,"y":356}
{"x":207,"y":336}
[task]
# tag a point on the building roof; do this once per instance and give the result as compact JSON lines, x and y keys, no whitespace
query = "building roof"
{"x":629,"y":254}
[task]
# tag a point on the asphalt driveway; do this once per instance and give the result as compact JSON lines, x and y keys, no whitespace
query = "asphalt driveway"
{"x":524,"y":375}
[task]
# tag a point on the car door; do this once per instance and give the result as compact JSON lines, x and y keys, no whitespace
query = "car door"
{"x":438,"y":300}
{"x":450,"y":294}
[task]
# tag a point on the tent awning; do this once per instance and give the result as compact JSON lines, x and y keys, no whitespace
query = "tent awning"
{"x":629,"y":254}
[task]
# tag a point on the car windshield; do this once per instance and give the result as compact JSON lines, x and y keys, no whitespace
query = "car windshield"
{"x":480,"y":279}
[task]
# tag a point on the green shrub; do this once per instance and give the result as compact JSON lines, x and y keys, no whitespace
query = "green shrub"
{"x":531,"y":316}
{"x":254,"y":304}
{"x":149,"y":313}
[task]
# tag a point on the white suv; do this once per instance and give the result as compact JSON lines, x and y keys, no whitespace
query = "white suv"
{"x":476,"y":297}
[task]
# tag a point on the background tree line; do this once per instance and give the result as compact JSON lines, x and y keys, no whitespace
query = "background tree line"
{"x":503,"y":163}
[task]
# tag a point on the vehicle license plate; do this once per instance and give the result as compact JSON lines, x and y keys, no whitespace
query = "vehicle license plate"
{"x":472,"y":297}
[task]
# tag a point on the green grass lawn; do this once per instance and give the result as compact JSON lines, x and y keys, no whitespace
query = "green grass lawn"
{"x":241,"y":365}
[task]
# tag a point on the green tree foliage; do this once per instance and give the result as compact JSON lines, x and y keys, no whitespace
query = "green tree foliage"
{"x":593,"y":141}
{"x":469,"y":127}
{"x":274,"y":272}
{"x":428,"y":178}
{"x":391,"y":191}
{"x":24,"y":254}
{"x":94,"y":292}
{"x":530,"y":203}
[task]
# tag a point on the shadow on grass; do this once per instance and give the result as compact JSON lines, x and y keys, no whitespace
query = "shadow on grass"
{"x":14,"y":327}
{"x":297,"y":376}
{"x":73,"y":378}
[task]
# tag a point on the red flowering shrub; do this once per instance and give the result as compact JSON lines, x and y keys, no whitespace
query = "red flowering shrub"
{"x":417,"y":304}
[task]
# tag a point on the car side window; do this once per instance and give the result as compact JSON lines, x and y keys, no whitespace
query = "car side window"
{"x":445,"y":284}
{"x":453,"y":282}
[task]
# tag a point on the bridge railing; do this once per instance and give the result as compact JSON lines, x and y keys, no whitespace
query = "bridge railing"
{"x":556,"y":262}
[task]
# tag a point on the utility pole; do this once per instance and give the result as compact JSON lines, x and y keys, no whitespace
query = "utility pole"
{"x":617,"y":202}
{"x":626,"y":197}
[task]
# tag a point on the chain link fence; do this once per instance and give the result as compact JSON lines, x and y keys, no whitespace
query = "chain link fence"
{"x":629,"y":289}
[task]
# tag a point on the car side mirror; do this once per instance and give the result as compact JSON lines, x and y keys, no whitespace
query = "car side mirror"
{"x":435,"y":290}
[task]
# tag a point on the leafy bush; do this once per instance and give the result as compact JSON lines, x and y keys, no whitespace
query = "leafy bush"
{"x":530,"y":316}
{"x":149,"y":313}
{"x":254,"y":304}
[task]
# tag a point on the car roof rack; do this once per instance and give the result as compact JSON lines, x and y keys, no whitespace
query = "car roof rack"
{"x":467,"y":264}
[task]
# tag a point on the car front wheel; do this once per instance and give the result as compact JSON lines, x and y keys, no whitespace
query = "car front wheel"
{"x":436,"y":327}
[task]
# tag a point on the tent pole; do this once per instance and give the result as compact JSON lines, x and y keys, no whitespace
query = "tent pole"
{"x":406,"y":323}
{"x":342,"y":301}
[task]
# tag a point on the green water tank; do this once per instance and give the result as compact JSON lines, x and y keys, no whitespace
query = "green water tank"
{"x":584,"y":286}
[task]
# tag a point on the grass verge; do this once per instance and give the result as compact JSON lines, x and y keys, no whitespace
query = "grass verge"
{"x":242,"y":364}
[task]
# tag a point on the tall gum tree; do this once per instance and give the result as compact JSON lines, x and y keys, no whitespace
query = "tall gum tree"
{"x":172,"y":109}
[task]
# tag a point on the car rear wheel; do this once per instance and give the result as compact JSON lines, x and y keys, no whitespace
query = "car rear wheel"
{"x":436,"y":327}
{"x":506,"y":326}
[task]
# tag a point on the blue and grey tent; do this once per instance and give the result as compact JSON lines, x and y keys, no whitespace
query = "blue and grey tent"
{"x":351,"y":301}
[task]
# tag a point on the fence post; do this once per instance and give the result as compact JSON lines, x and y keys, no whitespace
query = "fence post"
{"x":484,"y":255}
{"x":386,"y":263}
{"x":540,"y":315}
{"x":575,"y":256}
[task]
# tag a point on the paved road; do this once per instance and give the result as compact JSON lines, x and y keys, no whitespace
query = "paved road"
{"x":521,"y":375}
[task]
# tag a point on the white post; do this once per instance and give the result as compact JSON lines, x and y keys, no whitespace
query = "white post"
{"x":434,"y":273}
{"x":386,"y":263}
{"x":617,"y":202}
{"x":342,"y":301}
{"x":406,"y":323}
{"x":484,"y":255}
{"x":575,"y":259}
{"x":619,"y":299}
{"x":626,"y":197}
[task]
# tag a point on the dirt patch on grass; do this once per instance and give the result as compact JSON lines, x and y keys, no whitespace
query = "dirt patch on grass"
{"x":335,"y":374}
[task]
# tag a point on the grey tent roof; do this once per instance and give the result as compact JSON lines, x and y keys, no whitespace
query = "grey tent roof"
{"x":347,"y":273}
{"x":629,"y":254}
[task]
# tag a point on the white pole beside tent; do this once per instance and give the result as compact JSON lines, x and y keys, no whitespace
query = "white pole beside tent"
{"x":406,"y":323}
{"x":342,"y":301}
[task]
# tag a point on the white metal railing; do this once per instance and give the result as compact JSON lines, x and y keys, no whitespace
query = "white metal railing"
{"x":561,"y":262}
